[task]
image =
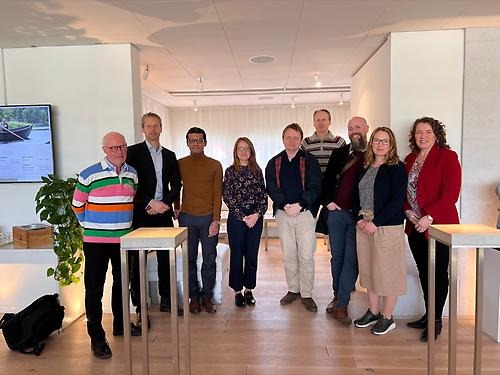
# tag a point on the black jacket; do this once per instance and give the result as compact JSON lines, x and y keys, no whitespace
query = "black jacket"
{"x":389,"y":194}
{"x":139,"y":157}
{"x":312,"y":183}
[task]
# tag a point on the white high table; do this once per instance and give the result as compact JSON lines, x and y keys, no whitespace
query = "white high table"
{"x":458,"y":236}
{"x":159,"y":239}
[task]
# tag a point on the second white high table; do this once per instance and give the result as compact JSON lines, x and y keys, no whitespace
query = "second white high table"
{"x":458,"y":236}
{"x":159,"y":239}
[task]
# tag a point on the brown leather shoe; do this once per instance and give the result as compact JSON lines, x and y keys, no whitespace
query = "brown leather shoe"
{"x":309,"y":304}
{"x":194,"y":306}
{"x":340,"y":314}
{"x":331,"y":305}
{"x":208,"y":304}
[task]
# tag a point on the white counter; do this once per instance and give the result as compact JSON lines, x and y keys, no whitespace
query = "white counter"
{"x":23,"y":278}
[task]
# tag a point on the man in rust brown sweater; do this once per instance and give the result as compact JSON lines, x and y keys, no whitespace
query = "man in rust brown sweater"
{"x":200,"y":212}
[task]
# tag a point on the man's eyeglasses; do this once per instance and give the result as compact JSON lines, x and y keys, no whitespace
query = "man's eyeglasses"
{"x":384,"y":142}
{"x":116,"y":148}
{"x":197,"y":141}
{"x":243,"y":149}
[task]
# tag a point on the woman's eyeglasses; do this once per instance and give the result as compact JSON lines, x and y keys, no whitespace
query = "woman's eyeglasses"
{"x":243,"y":149}
{"x":377,"y":141}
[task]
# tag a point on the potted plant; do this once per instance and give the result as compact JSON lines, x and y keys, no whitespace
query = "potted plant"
{"x":53,"y":204}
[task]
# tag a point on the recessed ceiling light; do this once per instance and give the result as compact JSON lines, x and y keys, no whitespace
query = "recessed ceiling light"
{"x":262,"y":59}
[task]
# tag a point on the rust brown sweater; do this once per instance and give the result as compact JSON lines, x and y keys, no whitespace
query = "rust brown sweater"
{"x":201,"y":185}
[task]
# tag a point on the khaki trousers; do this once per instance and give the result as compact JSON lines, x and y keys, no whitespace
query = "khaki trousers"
{"x":298,"y":242}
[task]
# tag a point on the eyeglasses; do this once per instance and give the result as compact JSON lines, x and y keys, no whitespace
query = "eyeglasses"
{"x":243,"y":149}
{"x":116,"y":148}
{"x":377,"y":141}
{"x":197,"y":141}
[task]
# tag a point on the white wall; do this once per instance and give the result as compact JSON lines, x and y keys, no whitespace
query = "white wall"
{"x":92,"y":89}
{"x":427,"y":80}
{"x":370,"y":95}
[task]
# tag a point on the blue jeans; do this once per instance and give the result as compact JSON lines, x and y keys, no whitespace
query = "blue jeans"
{"x":344,"y":261}
{"x":198,"y":232}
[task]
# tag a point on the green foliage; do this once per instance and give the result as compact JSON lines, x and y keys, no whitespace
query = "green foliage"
{"x":53,"y":204}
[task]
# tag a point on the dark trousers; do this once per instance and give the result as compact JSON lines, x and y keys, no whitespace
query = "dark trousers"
{"x":198,"y":232}
{"x":419,"y":249}
{"x":244,"y":243}
{"x":97,"y":257}
{"x":344,"y":260}
{"x":162,"y":257}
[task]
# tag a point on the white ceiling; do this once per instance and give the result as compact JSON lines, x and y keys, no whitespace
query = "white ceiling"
{"x":214,"y":39}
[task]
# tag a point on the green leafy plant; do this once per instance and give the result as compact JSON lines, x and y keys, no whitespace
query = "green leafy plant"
{"x":53,"y":204}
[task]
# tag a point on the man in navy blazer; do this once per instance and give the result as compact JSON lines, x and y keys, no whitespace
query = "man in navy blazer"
{"x":159,"y":186}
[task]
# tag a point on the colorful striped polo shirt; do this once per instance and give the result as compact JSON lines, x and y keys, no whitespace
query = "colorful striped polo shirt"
{"x":103,"y":202}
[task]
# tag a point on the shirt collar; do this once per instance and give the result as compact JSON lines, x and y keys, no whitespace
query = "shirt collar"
{"x":152,"y":148}
{"x":328,"y":135}
{"x":107,"y":165}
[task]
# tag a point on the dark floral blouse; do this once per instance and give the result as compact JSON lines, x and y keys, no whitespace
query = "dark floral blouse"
{"x":244,"y":192}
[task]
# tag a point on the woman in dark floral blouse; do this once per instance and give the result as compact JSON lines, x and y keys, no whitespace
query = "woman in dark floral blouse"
{"x":245,"y":195}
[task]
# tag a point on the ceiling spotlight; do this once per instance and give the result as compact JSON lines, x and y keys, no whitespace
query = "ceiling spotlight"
{"x":146,"y":73}
{"x":317,"y":82}
{"x":292,"y":104}
{"x":200,"y":84}
{"x":341,"y":99}
{"x":195,"y":106}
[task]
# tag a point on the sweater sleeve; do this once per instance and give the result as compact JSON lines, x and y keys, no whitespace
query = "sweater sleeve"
{"x":275,"y":193}
{"x":217,"y":192}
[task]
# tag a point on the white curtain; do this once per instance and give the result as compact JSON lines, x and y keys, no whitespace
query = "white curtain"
{"x":263,"y":125}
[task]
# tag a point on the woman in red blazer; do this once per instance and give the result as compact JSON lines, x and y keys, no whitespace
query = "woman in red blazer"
{"x":434,"y":180}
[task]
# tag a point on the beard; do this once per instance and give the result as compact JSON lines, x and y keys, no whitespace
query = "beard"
{"x":358,"y":143}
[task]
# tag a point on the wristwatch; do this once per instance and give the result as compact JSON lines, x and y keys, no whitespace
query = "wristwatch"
{"x":430,"y":217}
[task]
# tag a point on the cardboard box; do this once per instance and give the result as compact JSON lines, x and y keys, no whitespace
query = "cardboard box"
{"x":34,"y":236}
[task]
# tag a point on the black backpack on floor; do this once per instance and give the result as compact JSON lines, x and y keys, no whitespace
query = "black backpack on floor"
{"x":26,"y":329}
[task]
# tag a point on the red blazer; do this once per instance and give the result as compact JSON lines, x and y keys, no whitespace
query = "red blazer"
{"x":438,"y":186}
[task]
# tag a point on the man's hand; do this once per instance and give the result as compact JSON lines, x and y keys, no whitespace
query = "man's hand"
{"x":213,"y":229}
{"x":176,"y":214}
{"x":293,"y":210}
{"x":250,"y":220}
{"x":157,"y":207}
{"x":332,"y":206}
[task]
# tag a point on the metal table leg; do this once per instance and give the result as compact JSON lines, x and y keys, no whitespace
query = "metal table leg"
{"x":452,"y":334}
{"x":479,"y":310}
{"x":174,"y":318}
{"x":126,"y":313}
{"x":185,"y":281}
{"x":144,"y":313}
{"x":431,"y":313}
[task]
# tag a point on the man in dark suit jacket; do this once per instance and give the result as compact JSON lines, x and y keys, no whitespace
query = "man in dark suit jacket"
{"x":159,"y":186}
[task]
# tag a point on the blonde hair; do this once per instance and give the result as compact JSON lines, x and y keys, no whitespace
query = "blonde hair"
{"x":392,"y":154}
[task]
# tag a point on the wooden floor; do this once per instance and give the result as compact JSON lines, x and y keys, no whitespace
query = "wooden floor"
{"x":267,"y":339}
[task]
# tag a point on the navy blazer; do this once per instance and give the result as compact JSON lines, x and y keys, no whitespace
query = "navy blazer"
{"x":389,"y":194}
{"x":139,"y":157}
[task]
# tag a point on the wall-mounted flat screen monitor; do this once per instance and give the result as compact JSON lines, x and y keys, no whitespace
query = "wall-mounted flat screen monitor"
{"x":26,"y":152}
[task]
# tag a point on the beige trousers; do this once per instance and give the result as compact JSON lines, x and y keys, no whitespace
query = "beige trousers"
{"x":298,"y":242}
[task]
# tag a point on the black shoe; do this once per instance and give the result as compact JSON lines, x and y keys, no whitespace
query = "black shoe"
{"x":289,"y":298}
{"x":101,"y":349}
{"x":239,"y":300}
{"x":367,"y":319}
{"x":249,"y":300}
{"x":437,"y":331}
{"x":418,"y":324}
{"x":164,"y":305}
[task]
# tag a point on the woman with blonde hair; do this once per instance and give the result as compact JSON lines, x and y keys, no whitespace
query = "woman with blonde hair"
{"x":379,"y":231}
{"x":245,"y":195}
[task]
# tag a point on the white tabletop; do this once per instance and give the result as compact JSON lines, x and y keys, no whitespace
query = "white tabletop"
{"x":466,"y":235}
{"x":154,"y":238}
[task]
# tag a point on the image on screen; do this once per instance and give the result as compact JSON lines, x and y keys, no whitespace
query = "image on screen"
{"x":26,"y":152}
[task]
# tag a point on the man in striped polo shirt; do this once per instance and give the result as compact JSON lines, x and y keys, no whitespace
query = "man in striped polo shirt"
{"x":322,"y":142}
{"x":103,"y":203}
